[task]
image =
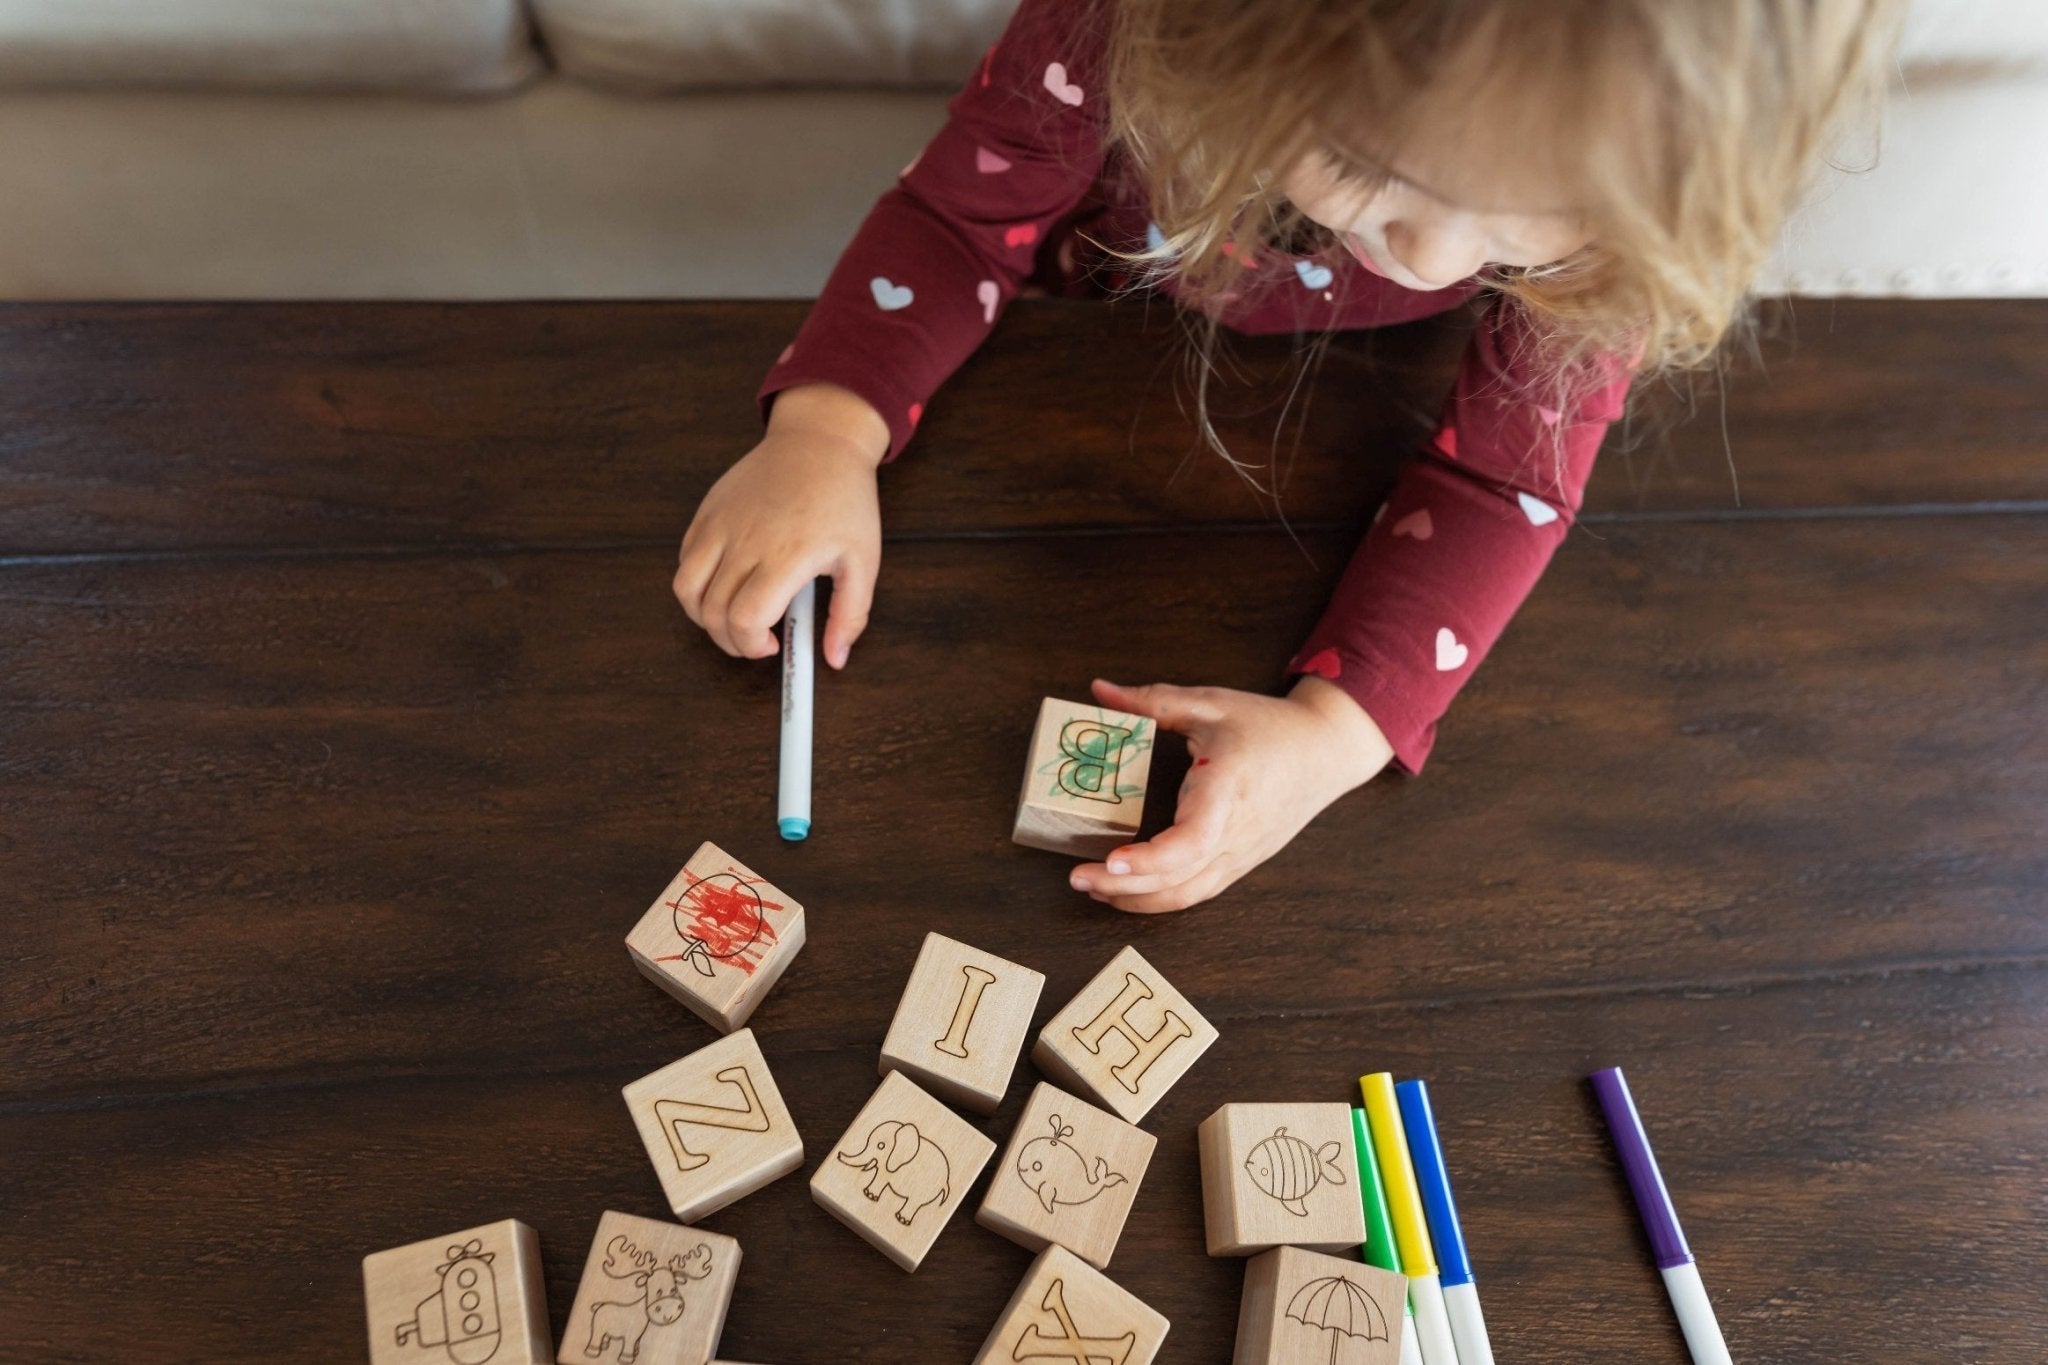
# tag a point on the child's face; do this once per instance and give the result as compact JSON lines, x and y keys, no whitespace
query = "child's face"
{"x":1421,"y":239}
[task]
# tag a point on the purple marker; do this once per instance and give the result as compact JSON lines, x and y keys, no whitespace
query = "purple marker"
{"x":1660,"y":1220}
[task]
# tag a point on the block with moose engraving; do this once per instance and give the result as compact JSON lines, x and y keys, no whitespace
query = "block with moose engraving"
{"x":1084,"y":780}
{"x":901,"y":1170}
{"x":961,"y":1022}
{"x":1125,"y":1039}
{"x":469,"y":1297}
{"x":1280,"y":1175}
{"x":1069,"y":1176}
{"x":1065,"y":1311}
{"x":653,"y":1293}
{"x":714,"y":1126}
{"x":718,"y":937}
{"x":1304,"y":1308}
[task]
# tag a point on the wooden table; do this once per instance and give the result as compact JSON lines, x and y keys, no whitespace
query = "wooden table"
{"x":347,"y":724}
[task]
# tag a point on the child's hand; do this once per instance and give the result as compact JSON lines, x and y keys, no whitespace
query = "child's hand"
{"x":800,"y":504}
{"x":1263,"y":768}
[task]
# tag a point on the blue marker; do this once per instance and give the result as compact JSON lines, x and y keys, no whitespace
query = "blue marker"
{"x":1461,"y":1295}
{"x":799,"y":665}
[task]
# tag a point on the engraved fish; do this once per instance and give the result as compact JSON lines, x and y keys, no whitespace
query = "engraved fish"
{"x":1290,"y":1170}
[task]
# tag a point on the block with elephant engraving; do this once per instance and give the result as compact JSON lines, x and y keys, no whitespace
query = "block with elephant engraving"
{"x":1084,"y":779}
{"x":466,"y":1298}
{"x":653,"y":1293}
{"x":718,"y":937}
{"x":714,"y":1126}
{"x":902,"y":1168}
{"x":961,"y":1023}
{"x":1066,"y":1310}
{"x":1280,"y":1175}
{"x":1068,"y":1176}
{"x":1125,"y":1039}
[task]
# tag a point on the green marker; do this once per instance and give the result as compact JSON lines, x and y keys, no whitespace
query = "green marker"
{"x":1379,"y":1229}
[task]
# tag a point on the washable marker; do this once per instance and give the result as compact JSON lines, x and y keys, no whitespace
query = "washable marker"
{"x":799,"y":667}
{"x":1379,"y":1229}
{"x":1461,"y":1294}
{"x":1660,"y":1220}
{"x":1404,"y":1210}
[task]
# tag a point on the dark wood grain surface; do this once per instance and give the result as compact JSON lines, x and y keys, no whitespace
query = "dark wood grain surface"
{"x":347,"y":725}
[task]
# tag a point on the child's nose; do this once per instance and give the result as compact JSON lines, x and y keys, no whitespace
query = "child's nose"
{"x":1439,"y":255}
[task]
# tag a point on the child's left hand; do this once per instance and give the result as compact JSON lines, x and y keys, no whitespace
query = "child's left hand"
{"x":1263,"y":768}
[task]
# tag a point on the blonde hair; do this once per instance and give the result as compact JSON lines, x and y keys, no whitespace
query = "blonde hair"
{"x":1691,"y":128}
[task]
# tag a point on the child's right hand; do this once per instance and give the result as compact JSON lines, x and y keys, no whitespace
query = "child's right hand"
{"x":800,"y":504}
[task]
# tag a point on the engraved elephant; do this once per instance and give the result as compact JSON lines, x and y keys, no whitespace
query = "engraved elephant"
{"x":901,"y":1161}
{"x":1057,"y":1173}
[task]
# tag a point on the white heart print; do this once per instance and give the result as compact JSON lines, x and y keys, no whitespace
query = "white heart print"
{"x":990,"y":295}
{"x":1063,"y":90}
{"x":1539,"y":512}
{"x":889,"y":297}
{"x":1451,"y":653}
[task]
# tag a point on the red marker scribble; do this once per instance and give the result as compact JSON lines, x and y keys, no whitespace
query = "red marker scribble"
{"x":722,"y":918}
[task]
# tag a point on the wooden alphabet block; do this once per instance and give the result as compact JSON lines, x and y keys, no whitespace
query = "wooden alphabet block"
{"x":901,"y":1169}
{"x":1067,"y":1311}
{"x":1305,"y":1308}
{"x":718,"y":937}
{"x":1084,"y":782}
{"x":1125,"y":1039}
{"x":1069,"y":1176}
{"x":1280,"y":1175}
{"x":714,"y":1126}
{"x":470,"y":1297}
{"x":961,"y":1022}
{"x":652,"y":1294}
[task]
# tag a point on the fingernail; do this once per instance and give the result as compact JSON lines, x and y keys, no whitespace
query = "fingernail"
{"x":1118,"y":867}
{"x":1082,"y":884}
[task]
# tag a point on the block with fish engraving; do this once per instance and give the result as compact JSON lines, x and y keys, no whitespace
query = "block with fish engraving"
{"x":1280,"y":1175}
{"x":718,"y":937}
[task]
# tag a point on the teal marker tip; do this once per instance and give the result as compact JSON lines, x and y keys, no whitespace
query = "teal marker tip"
{"x":794,"y":829}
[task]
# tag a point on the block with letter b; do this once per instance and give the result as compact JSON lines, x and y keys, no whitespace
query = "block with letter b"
{"x":1305,"y":1308}
{"x":1067,"y":1311}
{"x":1085,"y":779}
{"x":469,"y":1297}
{"x":1125,"y":1039}
{"x":961,"y":1022}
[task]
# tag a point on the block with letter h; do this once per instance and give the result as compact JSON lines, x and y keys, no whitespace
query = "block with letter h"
{"x":1084,"y":782}
{"x":1125,"y":1039}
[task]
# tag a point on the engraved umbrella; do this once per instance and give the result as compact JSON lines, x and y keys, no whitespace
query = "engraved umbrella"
{"x":1335,"y":1305}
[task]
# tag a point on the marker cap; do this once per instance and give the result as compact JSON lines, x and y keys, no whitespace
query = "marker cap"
{"x":1379,"y":1228}
{"x":1390,"y":1147}
{"x":1433,"y":1179}
{"x":793,"y":828}
{"x":1645,"y":1181}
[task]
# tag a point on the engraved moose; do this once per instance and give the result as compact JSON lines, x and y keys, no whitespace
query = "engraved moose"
{"x":660,"y":1303}
{"x":901,"y":1161}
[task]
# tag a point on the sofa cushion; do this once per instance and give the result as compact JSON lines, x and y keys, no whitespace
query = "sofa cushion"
{"x":442,"y":46}
{"x":702,"y":44}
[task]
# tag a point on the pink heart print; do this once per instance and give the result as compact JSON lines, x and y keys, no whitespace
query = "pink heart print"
{"x":988,"y":163}
{"x":1416,"y":524}
{"x":1023,"y":234}
{"x":1447,"y":442}
{"x":990,"y":295}
{"x":1551,"y":416}
{"x":1324,"y":663}
{"x":787,"y":352}
{"x":916,"y":413}
{"x":1063,"y":90}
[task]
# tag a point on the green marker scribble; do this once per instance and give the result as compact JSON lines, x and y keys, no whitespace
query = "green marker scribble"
{"x":1072,"y":758}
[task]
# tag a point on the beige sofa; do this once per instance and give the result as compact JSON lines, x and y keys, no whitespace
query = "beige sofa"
{"x":716,"y":148}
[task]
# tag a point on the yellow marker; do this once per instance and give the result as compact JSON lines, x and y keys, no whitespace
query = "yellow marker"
{"x":1404,"y":1209}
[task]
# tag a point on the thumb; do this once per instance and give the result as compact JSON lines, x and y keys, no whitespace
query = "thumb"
{"x":853,"y":594}
{"x":1174,"y":708}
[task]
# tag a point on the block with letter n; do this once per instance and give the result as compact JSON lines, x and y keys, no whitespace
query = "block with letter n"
{"x":1125,"y":1039}
{"x":1085,"y":779}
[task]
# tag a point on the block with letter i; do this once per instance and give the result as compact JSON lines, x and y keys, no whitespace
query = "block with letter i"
{"x":714,"y":1126}
{"x":902,"y":1168}
{"x":1305,"y":1308}
{"x":1085,"y":779}
{"x":718,"y":937}
{"x":1068,"y":1311}
{"x":1280,"y":1175}
{"x":1069,"y":1176}
{"x":1125,"y":1039}
{"x":961,"y":1023}
{"x":470,"y":1297}
{"x":653,"y":1293}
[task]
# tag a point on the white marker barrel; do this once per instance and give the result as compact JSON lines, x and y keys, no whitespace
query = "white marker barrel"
{"x":799,"y":666}
{"x":1468,"y":1327}
{"x":1695,"y":1315}
{"x":1432,"y":1323}
{"x":1411,"y":1349}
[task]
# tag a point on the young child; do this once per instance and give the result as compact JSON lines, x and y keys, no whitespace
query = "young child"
{"x":1609,"y":173}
